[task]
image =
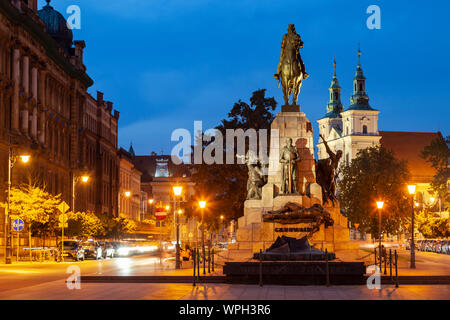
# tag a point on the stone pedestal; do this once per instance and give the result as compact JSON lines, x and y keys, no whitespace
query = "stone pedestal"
{"x":254,"y":234}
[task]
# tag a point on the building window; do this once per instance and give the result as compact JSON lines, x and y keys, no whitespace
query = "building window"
{"x":364,"y":129}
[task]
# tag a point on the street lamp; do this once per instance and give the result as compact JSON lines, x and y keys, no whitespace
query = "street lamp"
{"x":202,"y":205}
{"x":412,"y":191}
{"x":177,"y":190}
{"x":223,"y":226}
{"x":380,"y":207}
{"x":75,"y":180}
{"x":11,"y":161}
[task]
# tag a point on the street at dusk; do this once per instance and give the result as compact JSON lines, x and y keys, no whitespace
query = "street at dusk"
{"x":217,"y":159}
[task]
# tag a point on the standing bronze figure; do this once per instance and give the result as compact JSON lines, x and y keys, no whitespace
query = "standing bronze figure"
{"x":288,"y":158}
{"x":291,"y":69}
{"x":326,"y":174}
{"x":256,"y":178}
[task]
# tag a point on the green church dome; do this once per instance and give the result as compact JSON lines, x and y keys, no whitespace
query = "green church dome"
{"x":56,"y":25}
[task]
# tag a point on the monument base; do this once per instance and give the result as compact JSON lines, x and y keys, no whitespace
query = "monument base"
{"x":290,"y":108}
{"x":253,"y":233}
{"x":295,"y":272}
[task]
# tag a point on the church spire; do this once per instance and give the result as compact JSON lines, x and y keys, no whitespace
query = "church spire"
{"x":334,"y":106}
{"x":359,"y":99}
{"x":131,"y":150}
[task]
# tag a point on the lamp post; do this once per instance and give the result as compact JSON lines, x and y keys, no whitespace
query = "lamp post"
{"x":223,"y":226}
{"x":177,"y":190}
{"x":412,"y":191}
{"x":380,"y":207}
{"x":75,"y":180}
{"x":202,"y":205}
{"x":7,"y":240}
{"x":150,"y":202}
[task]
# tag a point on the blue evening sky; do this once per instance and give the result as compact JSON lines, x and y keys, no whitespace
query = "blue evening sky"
{"x":166,"y":63}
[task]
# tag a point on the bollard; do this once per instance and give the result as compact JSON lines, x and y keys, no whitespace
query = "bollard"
{"x":385,"y":256}
{"x":375,"y":254}
{"x":380,"y":254}
{"x":396,"y":269}
{"x":390,"y":263}
{"x":194,"y":260}
{"x":260,"y":268}
{"x":212,"y":259}
{"x":209,"y":259}
{"x":327,"y":270}
{"x":204,"y":260}
{"x":198,"y":264}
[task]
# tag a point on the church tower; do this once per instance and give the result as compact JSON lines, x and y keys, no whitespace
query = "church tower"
{"x":330,"y":126}
{"x":354,"y":128}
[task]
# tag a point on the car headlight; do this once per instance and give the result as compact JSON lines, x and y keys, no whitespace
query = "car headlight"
{"x":123,"y":251}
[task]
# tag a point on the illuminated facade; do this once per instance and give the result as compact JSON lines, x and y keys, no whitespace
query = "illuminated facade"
{"x":351,"y":129}
{"x":46,"y":111}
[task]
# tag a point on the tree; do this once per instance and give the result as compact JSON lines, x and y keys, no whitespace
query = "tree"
{"x":33,"y":204}
{"x":224,"y":185}
{"x":36,"y":207}
{"x":438,"y":154}
{"x":123,"y":226}
{"x":375,"y":174}
{"x":433,"y":226}
{"x":85,"y":224}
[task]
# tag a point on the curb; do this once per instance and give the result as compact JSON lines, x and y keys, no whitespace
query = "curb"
{"x":151,"y":279}
{"x":403,"y":280}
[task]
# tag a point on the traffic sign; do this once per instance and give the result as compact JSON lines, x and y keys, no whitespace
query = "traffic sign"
{"x":65,"y":225}
{"x":18,"y":224}
{"x":63,"y":207}
{"x":63,"y":218}
{"x":160,"y":214}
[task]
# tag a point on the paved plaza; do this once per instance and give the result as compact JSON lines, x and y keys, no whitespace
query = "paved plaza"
{"x":57,"y":290}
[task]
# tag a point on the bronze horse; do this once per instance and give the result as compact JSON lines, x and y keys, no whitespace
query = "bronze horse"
{"x":291,"y":69}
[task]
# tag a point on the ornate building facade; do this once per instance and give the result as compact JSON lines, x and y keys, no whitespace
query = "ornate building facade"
{"x":46,"y":111}
{"x":130,"y":197}
{"x":351,"y":129}
{"x":356,"y":128}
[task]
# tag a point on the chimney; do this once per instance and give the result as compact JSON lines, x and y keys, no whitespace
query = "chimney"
{"x":116,"y":114}
{"x":109,"y":106}
{"x":79,"y":47}
{"x":99,"y":98}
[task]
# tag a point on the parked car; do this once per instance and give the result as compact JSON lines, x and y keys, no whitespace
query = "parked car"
{"x":92,"y":249}
{"x":419,"y":245}
{"x":72,"y":249}
{"x":445,"y":249}
{"x":108,"y":250}
{"x":424,"y":245}
{"x":408,"y":245}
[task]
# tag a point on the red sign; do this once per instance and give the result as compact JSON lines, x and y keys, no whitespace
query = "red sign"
{"x":160,"y":214}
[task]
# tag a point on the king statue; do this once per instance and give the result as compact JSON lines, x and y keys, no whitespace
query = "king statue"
{"x":291,"y":69}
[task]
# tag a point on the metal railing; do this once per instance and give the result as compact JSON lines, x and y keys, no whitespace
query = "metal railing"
{"x":391,"y":260}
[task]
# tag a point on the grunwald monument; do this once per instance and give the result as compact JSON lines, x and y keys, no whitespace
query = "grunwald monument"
{"x":293,"y":216}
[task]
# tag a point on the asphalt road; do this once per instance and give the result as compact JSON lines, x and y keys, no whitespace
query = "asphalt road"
{"x":22,"y":275}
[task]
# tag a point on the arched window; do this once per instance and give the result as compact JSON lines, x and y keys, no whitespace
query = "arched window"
{"x":364,"y":129}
